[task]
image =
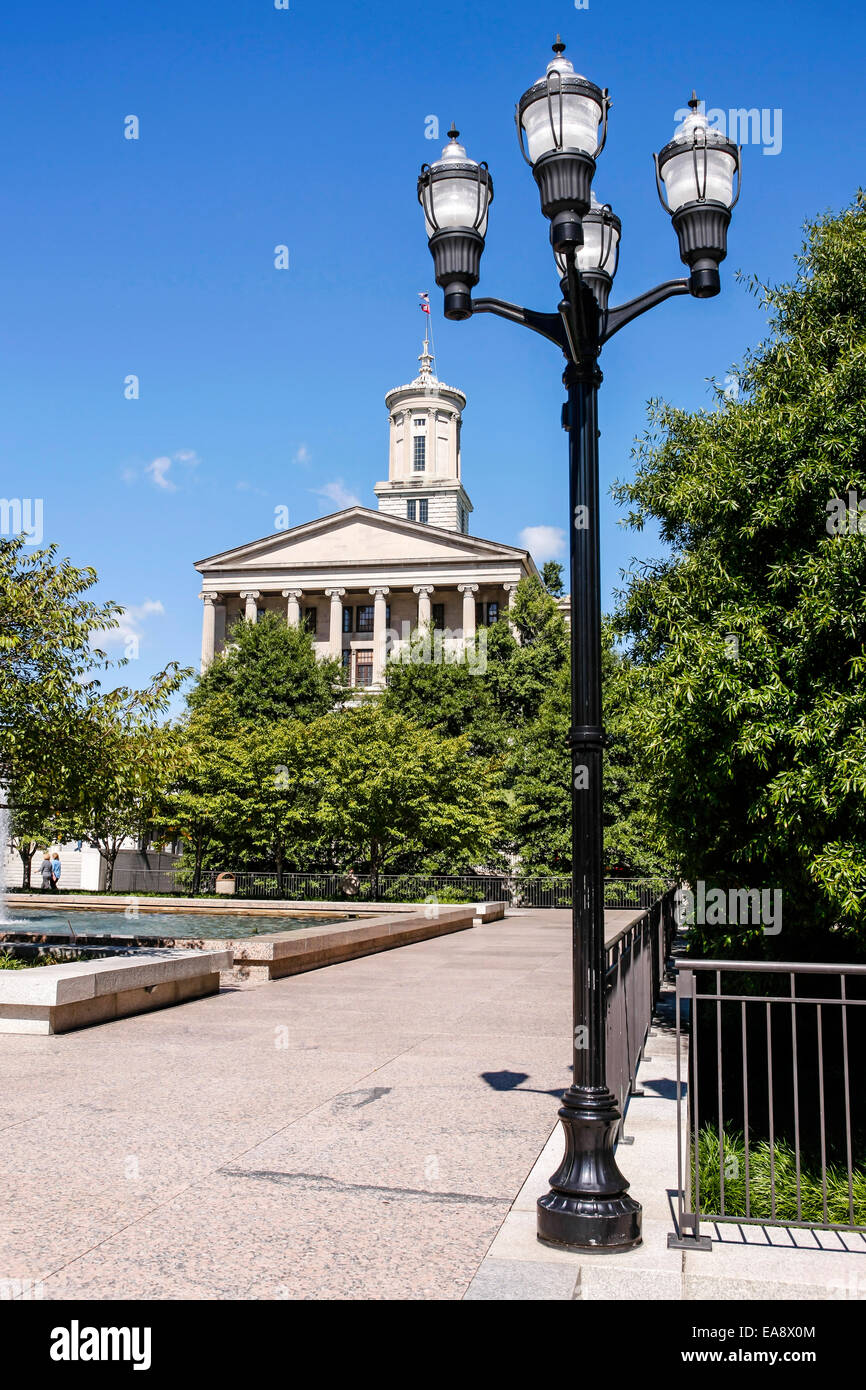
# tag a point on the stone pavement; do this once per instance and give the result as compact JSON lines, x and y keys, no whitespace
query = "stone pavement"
{"x":356,"y":1132}
{"x":746,"y":1262}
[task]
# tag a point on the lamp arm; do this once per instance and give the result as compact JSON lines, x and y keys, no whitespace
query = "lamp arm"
{"x":548,"y":325}
{"x":624,"y":313}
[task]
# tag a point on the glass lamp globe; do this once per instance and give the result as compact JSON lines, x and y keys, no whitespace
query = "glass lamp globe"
{"x":561,"y":111}
{"x":698,"y":165}
{"x":455,"y":192}
{"x":600,"y":250}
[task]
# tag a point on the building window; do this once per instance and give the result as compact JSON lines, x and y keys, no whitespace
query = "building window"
{"x":365,"y":618}
{"x":310,"y":620}
{"x":486,"y":614}
{"x":419,"y":453}
{"x":420,"y":424}
{"x":347,"y":663}
{"x":423,"y":509}
{"x":438,"y":610}
{"x":364,"y":666}
{"x":347,"y":619}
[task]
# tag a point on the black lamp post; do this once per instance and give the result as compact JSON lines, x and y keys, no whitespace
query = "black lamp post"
{"x":562,"y":119}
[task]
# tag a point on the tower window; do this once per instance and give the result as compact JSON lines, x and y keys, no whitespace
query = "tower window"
{"x":419,"y":453}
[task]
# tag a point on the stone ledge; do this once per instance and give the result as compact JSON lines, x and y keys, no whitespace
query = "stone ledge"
{"x":255,"y":907}
{"x":57,"y":998}
{"x":292,"y":953}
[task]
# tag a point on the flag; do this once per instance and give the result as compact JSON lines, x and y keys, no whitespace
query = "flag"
{"x":425,"y":301}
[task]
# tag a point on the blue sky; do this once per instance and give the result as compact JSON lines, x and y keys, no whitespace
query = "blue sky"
{"x":305,"y":127}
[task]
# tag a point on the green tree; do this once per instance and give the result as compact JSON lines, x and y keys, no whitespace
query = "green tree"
{"x":389,"y":786}
{"x":29,"y":828}
{"x":268,"y":671}
{"x":452,"y":697}
{"x":750,"y":636}
{"x":272,"y":790}
{"x":551,"y":577}
{"x":191,"y":802}
{"x":542,"y":781}
{"x":130,"y":762}
{"x":499,"y":687}
{"x":49,"y":662}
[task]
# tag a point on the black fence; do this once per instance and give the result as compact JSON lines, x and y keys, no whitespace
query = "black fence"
{"x":772,"y":1130}
{"x":335,"y":887}
{"x":635,"y":963}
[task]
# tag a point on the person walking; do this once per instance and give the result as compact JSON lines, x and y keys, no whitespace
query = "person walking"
{"x":350,"y":883}
{"x":56,"y":869}
{"x":46,"y":872}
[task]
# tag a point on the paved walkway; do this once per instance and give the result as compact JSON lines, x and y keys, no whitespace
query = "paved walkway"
{"x":356,"y":1132}
{"x":745,"y":1262}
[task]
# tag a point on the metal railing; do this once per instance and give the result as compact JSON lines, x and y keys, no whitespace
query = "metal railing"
{"x":768,"y":1129}
{"x":635,"y":963}
{"x":332,"y":887}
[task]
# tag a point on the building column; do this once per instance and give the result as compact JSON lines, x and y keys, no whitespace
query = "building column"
{"x":510,"y":590}
{"x":208,"y":629}
{"x":425,"y":608}
{"x":380,"y":623}
{"x":468,"y":591}
{"x":251,"y":598}
{"x":293,"y":613}
{"x":335,"y":631}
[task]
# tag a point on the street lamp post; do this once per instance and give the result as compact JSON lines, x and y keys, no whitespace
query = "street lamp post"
{"x":562,"y":126}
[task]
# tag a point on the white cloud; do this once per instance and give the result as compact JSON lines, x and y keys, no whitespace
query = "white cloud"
{"x":338,"y":493}
{"x":303,"y":455}
{"x":543,"y":542}
{"x":158,"y":471}
{"x":130,"y":624}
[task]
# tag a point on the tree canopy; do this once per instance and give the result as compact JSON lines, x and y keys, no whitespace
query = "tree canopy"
{"x":268,"y":670}
{"x":749,"y":638}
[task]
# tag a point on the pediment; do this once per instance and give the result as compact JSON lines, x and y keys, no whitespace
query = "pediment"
{"x":353,"y":536}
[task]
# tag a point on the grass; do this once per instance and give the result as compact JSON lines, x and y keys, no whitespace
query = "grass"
{"x":785,"y":1183}
{"x":9,"y":962}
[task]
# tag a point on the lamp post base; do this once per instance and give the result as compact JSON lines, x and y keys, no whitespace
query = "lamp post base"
{"x":588,"y":1206}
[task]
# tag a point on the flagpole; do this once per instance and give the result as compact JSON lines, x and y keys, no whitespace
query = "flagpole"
{"x":428,"y":329}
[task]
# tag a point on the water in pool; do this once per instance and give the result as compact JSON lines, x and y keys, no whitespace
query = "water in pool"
{"x":88,"y":921}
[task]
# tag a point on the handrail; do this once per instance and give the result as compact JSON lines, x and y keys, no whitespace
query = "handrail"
{"x":780,"y":967}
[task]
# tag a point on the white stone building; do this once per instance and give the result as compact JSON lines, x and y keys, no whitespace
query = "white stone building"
{"x":362,"y":580}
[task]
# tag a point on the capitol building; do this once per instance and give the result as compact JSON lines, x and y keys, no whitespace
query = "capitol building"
{"x":363,"y":580}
